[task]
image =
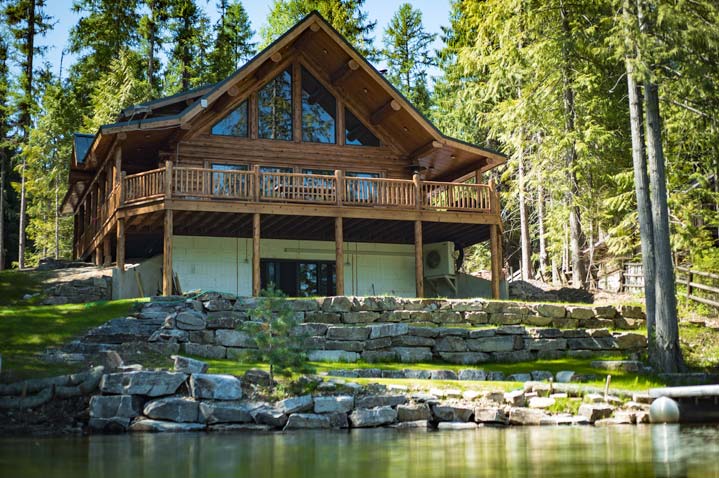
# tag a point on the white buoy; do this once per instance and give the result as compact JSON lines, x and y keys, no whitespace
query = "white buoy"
{"x":664,"y":410}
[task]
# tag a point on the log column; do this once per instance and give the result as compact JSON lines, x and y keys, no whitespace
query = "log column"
{"x":120,"y":252}
{"x":167,"y":255}
{"x":256,"y":254}
{"x":339,"y":257}
{"x":106,"y":249}
{"x":496,"y":250}
{"x":418,"y":259}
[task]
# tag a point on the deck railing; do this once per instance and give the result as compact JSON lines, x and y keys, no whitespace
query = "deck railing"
{"x":257,"y":186}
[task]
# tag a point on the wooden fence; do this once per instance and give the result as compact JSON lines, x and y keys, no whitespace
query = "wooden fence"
{"x":698,"y":286}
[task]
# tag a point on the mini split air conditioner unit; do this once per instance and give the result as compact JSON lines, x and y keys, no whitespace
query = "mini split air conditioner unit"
{"x":439,"y":260}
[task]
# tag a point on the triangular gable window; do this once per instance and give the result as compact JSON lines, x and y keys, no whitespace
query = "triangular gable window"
{"x":274,"y":105}
{"x":319,"y":111}
{"x":356,"y":133}
{"x":234,"y":124}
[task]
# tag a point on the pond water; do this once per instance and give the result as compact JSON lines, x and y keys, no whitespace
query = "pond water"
{"x":659,"y":450}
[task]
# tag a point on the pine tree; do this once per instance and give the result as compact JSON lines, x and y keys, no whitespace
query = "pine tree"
{"x":189,"y":34}
{"x":27,"y":20}
{"x":104,"y":28}
{"x":151,"y":29}
{"x":407,"y":53}
{"x":347,"y":16}
{"x":233,"y":40}
{"x":5,"y":151}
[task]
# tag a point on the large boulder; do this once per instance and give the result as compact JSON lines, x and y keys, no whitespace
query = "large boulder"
{"x":411,"y":413}
{"x":234,"y":338}
{"x":490,"y":415}
{"x":372,"y":417}
{"x":109,"y":406}
{"x":500,"y":343}
{"x":526,"y":416}
{"x":450,"y":343}
{"x":334,"y":404}
{"x":189,"y":365}
{"x":299,"y":404}
{"x":225,"y":412}
{"x":465,"y":358}
{"x":387,"y":330}
{"x":450,"y":413}
{"x":347,"y":333}
{"x":372,"y":401}
{"x":472,"y":374}
{"x":332,"y":356}
{"x":413,"y":354}
{"x":307,"y":420}
{"x":190,"y":320}
{"x":215,"y":387}
{"x":174,"y":409}
{"x":267,"y":415}
{"x":149,"y":425}
{"x":594,"y":412}
{"x":152,"y":384}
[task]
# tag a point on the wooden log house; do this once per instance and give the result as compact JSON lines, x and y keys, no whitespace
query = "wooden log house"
{"x":305,"y":169}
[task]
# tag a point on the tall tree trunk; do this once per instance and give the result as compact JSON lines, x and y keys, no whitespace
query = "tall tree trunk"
{"x":25,"y":120}
{"x":57,"y":219}
{"x":526,"y":245}
{"x":641,"y":187}
{"x":3,"y":162}
{"x":665,"y":354}
{"x":542,"y":238}
{"x":575,"y":226}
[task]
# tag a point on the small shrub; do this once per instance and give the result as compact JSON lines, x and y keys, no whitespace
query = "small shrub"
{"x":272,"y":327}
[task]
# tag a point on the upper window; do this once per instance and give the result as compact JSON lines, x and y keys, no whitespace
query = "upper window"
{"x":274,"y":104}
{"x":234,"y":124}
{"x":357,"y":133}
{"x":319,"y":111}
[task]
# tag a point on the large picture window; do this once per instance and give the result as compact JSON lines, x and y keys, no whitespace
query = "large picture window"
{"x":234,"y":124}
{"x":225,"y":183}
{"x":356,"y":133}
{"x":274,"y":105}
{"x":299,"y":278}
{"x":319,"y":111}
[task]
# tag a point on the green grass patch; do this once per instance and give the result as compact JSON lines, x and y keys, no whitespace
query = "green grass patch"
{"x":566,"y":405}
{"x":15,"y":284}
{"x":700,"y":346}
{"x":26,"y":330}
{"x":620,"y":380}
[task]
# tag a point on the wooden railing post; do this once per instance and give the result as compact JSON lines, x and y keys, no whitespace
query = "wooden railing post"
{"x":689,"y":281}
{"x":339,"y":187}
{"x":256,"y":183}
{"x":121,"y":192}
{"x":417,"y":191}
{"x":168,"y":180}
{"x":492,"y":205}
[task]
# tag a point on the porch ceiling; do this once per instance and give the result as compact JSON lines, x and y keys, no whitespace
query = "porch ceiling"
{"x":221,"y":224}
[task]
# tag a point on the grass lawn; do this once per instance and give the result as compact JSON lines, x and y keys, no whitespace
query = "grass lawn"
{"x":15,"y":284}
{"x":26,"y":330}
{"x":620,"y":380}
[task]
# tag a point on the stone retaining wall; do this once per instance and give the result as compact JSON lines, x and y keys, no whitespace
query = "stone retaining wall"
{"x":385,"y":329}
{"x":79,"y":291}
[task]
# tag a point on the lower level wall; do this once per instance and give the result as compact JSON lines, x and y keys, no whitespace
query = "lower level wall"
{"x":225,"y":264}
{"x":138,"y":280}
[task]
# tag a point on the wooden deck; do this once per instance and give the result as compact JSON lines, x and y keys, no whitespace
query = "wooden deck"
{"x":154,"y":195}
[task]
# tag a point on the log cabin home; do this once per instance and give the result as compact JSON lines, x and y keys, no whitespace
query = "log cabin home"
{"x":304,"y":169}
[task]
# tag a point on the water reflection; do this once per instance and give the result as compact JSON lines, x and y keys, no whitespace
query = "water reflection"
{"x":664,"y":451}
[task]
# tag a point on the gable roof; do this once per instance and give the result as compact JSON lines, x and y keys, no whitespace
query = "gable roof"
{"x":445,"y":157}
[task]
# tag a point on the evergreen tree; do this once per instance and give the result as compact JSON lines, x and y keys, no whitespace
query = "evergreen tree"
{"x":347,"y":16}
{"x":189,"y":34}
{"x":5,"y":148}
{"x":407,"y":53}
{"x":104,"y":28}
{"x":233,"y":40}
{"x":27,"y":20}
{"x":151,"y":28}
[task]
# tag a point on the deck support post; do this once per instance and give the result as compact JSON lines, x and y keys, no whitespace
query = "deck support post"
{"x":496,"y":259}
{"x":418,"y":259}
{"x":339,"y":257}
{"x":98,"y":255}
{"x":167,"y":255}
{"x":120,"y":251}
{"x":255,"y":254}
{"x":107,"y":259}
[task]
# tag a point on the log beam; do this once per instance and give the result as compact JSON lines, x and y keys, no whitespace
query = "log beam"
{"x":256,"y":254}
{"x":425,"y":149}
{"x":343,"y":72}
{"x":107,"y":253}
{"x":339,"y":257}
{"x":385,"y":111}
{"x":418,"y":259}
{"x":167,"y":255}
